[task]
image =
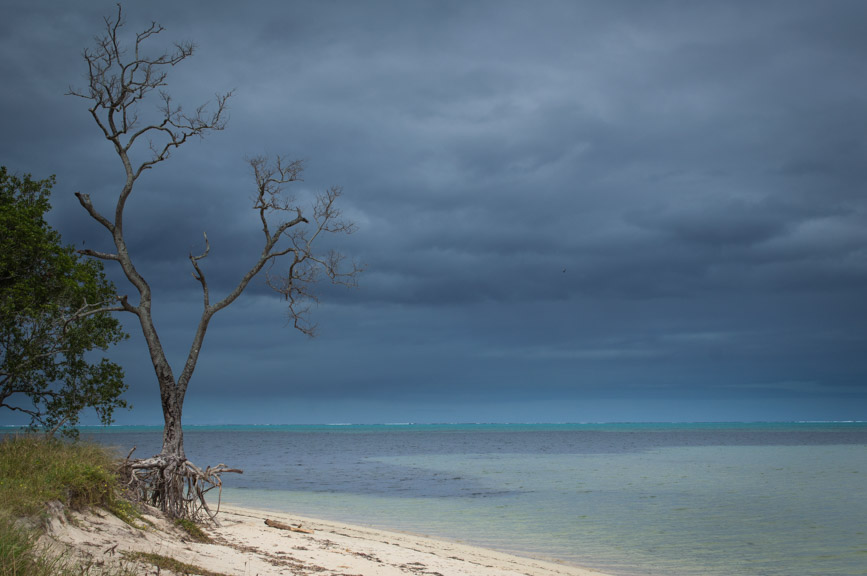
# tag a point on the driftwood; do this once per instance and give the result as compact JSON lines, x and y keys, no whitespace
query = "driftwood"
{"x":281,"y":526}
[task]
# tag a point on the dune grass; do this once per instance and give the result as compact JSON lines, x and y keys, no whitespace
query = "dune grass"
{"x":193,"y":530}
{"x":170,"y":564}
{"x":35,"y":471}
{"x":20,"y":555}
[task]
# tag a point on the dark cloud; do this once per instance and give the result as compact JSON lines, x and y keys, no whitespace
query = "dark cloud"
{"x":568,"y":211}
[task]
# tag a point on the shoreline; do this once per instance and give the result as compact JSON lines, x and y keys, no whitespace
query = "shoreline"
{"x":244,"y":544}
{"x":421,"y":543}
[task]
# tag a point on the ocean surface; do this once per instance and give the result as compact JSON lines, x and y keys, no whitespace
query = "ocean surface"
{"x":628,"y":499}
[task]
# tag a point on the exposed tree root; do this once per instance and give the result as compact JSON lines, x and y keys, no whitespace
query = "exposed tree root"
{"x":175,"y":485}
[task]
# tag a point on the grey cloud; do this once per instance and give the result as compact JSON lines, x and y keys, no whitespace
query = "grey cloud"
{"x":590,"y":197}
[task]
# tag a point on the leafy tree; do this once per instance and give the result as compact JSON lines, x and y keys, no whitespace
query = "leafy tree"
{"x":119,"y":80}
{"x":52,"y":315}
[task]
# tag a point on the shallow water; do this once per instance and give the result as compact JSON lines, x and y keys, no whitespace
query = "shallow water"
{"x":629,"y":499}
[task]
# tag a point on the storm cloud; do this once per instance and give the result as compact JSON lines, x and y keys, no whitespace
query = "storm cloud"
{"x":568,"y":211}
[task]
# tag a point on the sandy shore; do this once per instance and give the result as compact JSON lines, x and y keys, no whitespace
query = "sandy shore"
{"x":245,"y":546}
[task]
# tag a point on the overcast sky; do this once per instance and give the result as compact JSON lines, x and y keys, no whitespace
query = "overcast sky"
{"x":568,"y":211}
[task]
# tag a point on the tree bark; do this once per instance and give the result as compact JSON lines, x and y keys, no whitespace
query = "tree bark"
{"x":173,"y":432}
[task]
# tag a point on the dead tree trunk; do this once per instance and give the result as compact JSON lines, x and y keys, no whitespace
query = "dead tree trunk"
{"x":118,"y":79}
{"x":173,"y":432}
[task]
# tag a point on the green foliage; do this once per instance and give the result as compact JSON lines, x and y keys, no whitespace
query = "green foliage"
{"x":35,"y":470}
{"x":52,"y":314}
{"x":127,"y":511}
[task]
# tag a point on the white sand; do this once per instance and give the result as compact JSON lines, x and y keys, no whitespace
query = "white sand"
{"x":245,"y":546}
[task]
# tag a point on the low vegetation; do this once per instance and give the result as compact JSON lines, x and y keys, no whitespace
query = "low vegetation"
{"x":166,"y":563}
{"x":35,"y":471}
{"x":193,"y":530}
{"x":20,"y":555}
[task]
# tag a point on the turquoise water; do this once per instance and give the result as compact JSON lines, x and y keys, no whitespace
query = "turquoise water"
{"x":675,"y":499}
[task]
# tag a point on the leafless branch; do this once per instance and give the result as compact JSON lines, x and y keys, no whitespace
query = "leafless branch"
{"x":305,"y":267}
{"x":118,"y":82}
{"x":198,"y":274}
{"x":84,"y":200}
{"x":100,"y":255}
{"x":87,"y":309}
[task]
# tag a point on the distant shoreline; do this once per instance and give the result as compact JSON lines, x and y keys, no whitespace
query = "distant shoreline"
{"x":487,"y":425}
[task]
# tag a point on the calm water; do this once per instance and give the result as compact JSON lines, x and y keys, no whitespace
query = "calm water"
{"x":631,"y":499}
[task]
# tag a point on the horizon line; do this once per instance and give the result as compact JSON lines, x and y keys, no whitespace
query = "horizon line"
{"x":406,"y":424}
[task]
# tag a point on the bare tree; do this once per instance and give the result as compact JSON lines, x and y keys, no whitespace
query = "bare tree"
{"x":119,"y":81}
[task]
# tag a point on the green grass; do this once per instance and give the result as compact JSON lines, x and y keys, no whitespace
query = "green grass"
{"x":34,"y":471}
{"x":15,"y":548}
{"x":166,"y":563}
{"x":193,"y":530}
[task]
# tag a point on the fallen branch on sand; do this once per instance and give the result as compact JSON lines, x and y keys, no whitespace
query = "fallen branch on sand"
{"x":281,"y":526}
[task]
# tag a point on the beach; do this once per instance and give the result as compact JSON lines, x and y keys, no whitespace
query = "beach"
{"x":244,"y":545}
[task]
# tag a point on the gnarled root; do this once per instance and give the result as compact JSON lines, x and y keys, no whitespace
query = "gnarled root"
{"x":175,"y":485}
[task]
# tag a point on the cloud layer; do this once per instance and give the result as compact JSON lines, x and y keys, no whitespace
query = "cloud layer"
{"x":573,"y":211}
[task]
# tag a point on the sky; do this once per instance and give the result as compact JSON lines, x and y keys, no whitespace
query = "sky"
{"x":567,"y":211}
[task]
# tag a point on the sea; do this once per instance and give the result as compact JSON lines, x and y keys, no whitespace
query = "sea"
{"x":727,"y":499}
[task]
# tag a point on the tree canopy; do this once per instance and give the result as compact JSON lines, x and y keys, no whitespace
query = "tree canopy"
{"x":52,"y":317}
